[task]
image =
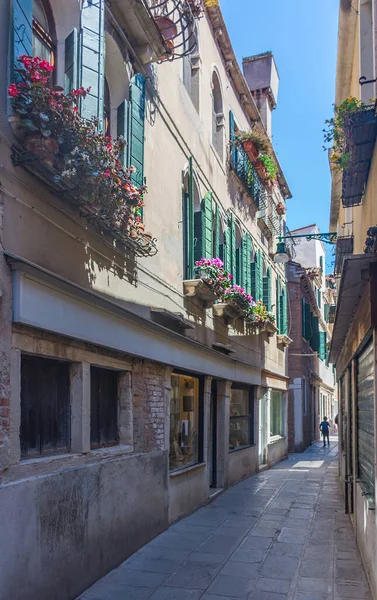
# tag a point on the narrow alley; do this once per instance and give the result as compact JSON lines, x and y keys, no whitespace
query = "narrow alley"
{"x":281,"y":534}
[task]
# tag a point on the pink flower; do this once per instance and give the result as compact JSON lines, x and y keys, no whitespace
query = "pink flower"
{"x":46,"y":66}
{"x":107,"y":173}
{"x":12,"y":90}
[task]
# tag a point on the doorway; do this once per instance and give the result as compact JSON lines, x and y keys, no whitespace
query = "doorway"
{"x":263,"y":425}
{"x":213,"y":437}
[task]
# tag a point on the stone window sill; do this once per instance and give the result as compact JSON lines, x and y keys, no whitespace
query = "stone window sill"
{"x":185,"y":470}
{"x":275,"y":439}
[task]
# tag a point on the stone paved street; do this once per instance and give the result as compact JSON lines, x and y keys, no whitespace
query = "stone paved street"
{"x":281,"y":534}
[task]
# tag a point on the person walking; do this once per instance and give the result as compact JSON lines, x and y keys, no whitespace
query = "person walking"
{"x":325,"y":429}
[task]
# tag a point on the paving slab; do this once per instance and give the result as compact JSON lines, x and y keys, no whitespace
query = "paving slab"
{"x":278,"y":535}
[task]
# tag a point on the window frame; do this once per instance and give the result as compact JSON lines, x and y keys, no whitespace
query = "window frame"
{"x":200,"y":460}
{"x":38,"y":407}
{"x":250,"y":416}
{"x":115,"y":441}
{"x":277,"y":436}
{"x":46,"y":38}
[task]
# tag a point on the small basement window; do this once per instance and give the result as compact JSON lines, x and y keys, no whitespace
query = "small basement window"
{"x":103,"y":407}
{"x":45,"y":407}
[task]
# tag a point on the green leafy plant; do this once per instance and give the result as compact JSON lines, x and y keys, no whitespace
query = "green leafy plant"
{"x":260,"y":141}
{"x":335,"y":131}
{"x":270,"y":166}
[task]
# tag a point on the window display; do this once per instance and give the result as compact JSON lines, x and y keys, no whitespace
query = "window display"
{"x":241,"y":421}
{"x":184,"y":422}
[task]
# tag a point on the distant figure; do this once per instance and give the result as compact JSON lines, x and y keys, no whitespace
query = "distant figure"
{"x":325,"y":429}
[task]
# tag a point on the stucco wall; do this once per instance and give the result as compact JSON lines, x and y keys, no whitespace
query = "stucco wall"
{"x":63,"y":531}
{"x":276,"y":451}
{"x":242,"y":463}
{"x":187,"y":491}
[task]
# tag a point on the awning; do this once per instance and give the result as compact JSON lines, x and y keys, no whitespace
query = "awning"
{"x":355,"y":274}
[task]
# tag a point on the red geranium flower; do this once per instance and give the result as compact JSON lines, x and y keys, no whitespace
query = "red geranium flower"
{"x":13,"y":91}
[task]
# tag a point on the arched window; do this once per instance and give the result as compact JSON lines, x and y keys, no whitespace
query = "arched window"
{"x":117,"y":83}
{"x":191,"y":76}
{"x":43,"y":45}
{"x":217,"y":116}
{"x":192,"y":214}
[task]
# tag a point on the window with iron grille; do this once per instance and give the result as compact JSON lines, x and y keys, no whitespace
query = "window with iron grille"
{"x":45,"y":407}
{"x":104,"y":407}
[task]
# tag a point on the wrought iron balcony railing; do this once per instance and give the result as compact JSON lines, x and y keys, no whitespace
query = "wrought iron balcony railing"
{"x":361,"y":134}
{"x":344,"y":248}
{"x":176,"y":21}
{"x":247,"y":174}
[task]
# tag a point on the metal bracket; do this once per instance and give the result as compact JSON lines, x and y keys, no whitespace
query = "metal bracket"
{"x":363,"y":80}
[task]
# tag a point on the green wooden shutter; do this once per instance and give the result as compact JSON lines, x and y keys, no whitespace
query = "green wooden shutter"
{"x":278,"y":303}
{"x":322,"y":345}
{"x":22,"y":32}
{"x":267,"y":290}
{"x":253,"y":277}
{"x":227,"y":250}
{"x":259,"y":275}
{"x":198,"y":235}
{"x":303,"y":309}
{"x":207,"y":225}
{"x":232,"y":136}
{"x":327,"y":309}
{"x":187,"y":267}
{"x":190,"y":222}
{"x":136,"y":128}
{"x":92,"y":54}
{"x":233,"y":254}
{"x":246,"y":262}
{"x":284,"y":326}
{"x":216,"y":245}
{"x":315,"y":339}
{"x":308,"y":322}
{"x":122,"y":127}
{"x":71,"y":57}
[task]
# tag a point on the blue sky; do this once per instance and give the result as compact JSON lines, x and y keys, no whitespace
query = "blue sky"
{"x":303,"y":38}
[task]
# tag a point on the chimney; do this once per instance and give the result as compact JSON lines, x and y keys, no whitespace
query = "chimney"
{"x":263,"y":80}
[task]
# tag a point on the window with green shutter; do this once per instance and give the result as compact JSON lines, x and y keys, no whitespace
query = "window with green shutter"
{"x":71,"y":58}
{"x":267,"y":290}
{"x":203,"y":225}
{"x":303,"y":317}
{"x":22,"y":32}
{"x":322,"y":345}
{"x":233,"y":248}
{"x":188,"y":223}
{"x":92,"y":59}
{"x":253,"y":276}
{"x":319,"y":297}
{"x":216,"y":233}
{"x":259,"y":275}
{"x":315,"y":338}
{"x":232,"y":137}
{"x":246,"y":262}
{"x":326,"y":308}
{"x":136,"y":128}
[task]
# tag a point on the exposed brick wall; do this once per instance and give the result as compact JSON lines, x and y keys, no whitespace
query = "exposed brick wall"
{"x":299,"y":365}
{"x":151,"y":390}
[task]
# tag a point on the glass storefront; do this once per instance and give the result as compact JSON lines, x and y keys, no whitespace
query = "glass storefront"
{"x":241,"y":427}
{"x":184,"y":422}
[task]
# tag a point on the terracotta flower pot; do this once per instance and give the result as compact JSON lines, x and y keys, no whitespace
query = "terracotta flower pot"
{"x":166,"y":27}
{"x":134,"y":233}
{"x":250,"y":150}
{"x":280,"y":208}
{"x":44,"y":148}
{"x":140,"y":226}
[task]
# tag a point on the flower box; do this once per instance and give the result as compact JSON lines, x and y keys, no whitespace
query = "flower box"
{"x":227,"y":311}
{"x":199,"y":288}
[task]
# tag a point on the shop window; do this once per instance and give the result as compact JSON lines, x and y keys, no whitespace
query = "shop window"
{"x":103,"y":407}
{"x":185,"y":422}
{"x":241,"y":427}
{"x":42,"y":40}
{"x":276,"y":414}
{"x":45,"y":407}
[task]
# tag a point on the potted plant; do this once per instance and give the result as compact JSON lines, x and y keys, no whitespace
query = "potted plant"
{"x":253,"y":142}
{"x":336,"y":131}
{"x":196,"y":7}
{"x":266,"y":168}
{"x":280,"y":208}
{"x":84,"y":163}
{"x":211,"y":270}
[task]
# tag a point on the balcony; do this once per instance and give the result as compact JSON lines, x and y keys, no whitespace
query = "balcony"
{"x":361,"y":133}
{"x":344,"y":247}
{"x":159,"y":30}
{"x":120,"y":226}
{"x":246,"y":173}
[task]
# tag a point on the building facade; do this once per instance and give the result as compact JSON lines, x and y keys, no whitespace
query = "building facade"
{"x":312,"y":380}
{"x":353,"y":217}
{"x":129,"y":395}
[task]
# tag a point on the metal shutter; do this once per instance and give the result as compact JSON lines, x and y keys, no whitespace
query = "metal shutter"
{"x":365,"y":417}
